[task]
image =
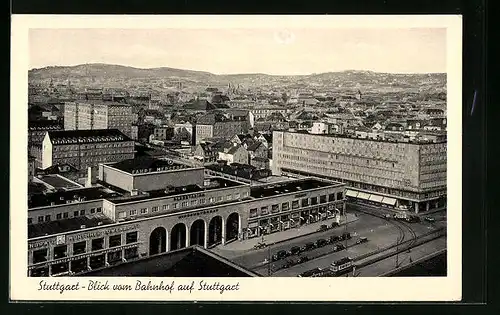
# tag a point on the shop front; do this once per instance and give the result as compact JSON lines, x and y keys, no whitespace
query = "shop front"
{"x":253,"y":229}
{"x":274,"y":225}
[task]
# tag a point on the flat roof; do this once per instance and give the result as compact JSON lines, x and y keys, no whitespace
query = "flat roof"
{"x":214,"y":183}
{"x":292,"y":186}
{"x":59,"y":182}
{"x":345,"y":136}
{"x":66,"y":225}
{"x":193,"y":261}
{"x":62,"y":197}
{"x":147,"y":164}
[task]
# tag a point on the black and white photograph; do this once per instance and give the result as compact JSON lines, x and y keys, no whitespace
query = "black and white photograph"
{"x":219,"y":150}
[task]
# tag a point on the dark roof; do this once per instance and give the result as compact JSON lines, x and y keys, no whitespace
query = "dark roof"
{"x":192,"y":261}
{"x":254,"y":146}
{"x":87,"y":136}
{"x":293,"y":186}
{"x":59,"y":168}
{"x":66,"y":225}
{"x":146,"y":163}
{"x":63,"y":197}
{"x":42,"y":124}
{"x":234,"y":149}
{"x":240,"y":170}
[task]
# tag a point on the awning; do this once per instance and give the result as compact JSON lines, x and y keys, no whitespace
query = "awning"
{"x":389,"y":201}
{"x":376,"y":198}
{"x":351,"y":193}
{"x":363,"y":195}
{"x":253,"y":224}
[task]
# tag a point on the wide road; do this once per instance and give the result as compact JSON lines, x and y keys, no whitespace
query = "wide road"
{"x":379,"y":232}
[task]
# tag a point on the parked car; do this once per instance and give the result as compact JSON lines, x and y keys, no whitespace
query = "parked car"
{"x":289,"y":263}
{"x":413,"y":219}
{"x":346,"y":236}
{"x":310,"y":246}
{"x":334,"y":224}
{"x":316,"y":272}
{"x":334,"y":239}
{"x":388,"y":216}
{"x":260,"y":245}
{"x":338,"y":247}
{"x":295,"y":250}
{"x":362,"y":240}
{"x":430,"y":219}
{"x":303,"y":259}
{"x":323,"y":227}
{"x":280,"y":255}
{"x":321,"y":242}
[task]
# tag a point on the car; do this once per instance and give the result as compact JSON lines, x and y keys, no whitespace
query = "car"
{"x":260,"y":245}
{"x":346,"y":236}
{"x":323,"y":227}
{"x":321,"y":242}
{"x":362,"y":240}
{"x":430,"y":219}
{"x":289,"y":263}
{"x":334,"y":224}
{"x":280,"y":255}
{"x":303,"y":259}
{"x":334,"y":239}
{"x":310,"y":246}
{"x":388,"y":216}
{"x":316,"y":272}
{"x":413,"y":219}
{"x":295,"y":250}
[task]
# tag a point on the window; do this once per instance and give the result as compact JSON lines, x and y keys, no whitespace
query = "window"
{"x":59,"y":216}
{"x":115,"y":240}
{"x":122,"y":215}
{"x":39,"y":255}
{"x":114,"y":257}
{"x":229,"y":197}
{"x":237,"y":196}
{"x":314,"y":201}
{"x":202,"y":201}
{"x":47,"y":218}
{"x":133,"y":212}
{"x":30,"y":221}
{"x":285,"y":206}
{"x":263,"y":210}
{"x":99,"y":209}
{"x":79,"y":248}
{"x":165,"y":207}
{"x":82,"y":212}
{"x":60,"y":251}
{"x":305,"y":202}
{"x":175,"y":205}
{"x":295,"y":204}
{"x":253,"y":213}
{"x":340,"y":196}
{"x":211,"y":199}
{"x":92,"y":210}
{"x":219,"y":198}
{"x":275,"y":208}
{"x":184,"y":204}
{"x":97,"y":243}
{"x":331,"y":197}
{"x":131,"y":253}
{"x":40,"y":219}
{"x":65,"y":215}
{"x":246,"y":194}
{"x":194,"y":202}
{"x":322,"y":199}
{"x":144,"y":210}
{"x":131,"y":237}
{"x":154,"y":209}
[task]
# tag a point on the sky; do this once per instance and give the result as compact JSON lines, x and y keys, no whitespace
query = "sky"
{"x":230,"y":51}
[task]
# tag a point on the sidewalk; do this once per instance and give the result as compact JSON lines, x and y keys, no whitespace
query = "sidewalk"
{"x":278,"y":237}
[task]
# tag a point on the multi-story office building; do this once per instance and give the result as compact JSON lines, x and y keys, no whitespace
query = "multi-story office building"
{"x":36,"y":133}
{"x":85,"y":148}
{"x":395,"y":174}
{"x":85,"y":115}
{"x":145,"y":207}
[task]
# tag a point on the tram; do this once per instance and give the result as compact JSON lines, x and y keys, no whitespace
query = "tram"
{"x":341,"y":266}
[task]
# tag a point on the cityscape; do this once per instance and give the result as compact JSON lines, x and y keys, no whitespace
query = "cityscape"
{"x":166,"y":172}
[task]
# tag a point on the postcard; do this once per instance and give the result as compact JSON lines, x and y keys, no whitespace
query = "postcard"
{"x":236,"y":158}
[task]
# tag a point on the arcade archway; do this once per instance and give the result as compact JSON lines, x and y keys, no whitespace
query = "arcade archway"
{"x":178,"y":236}
{"x":215,"y":231}
{"x":232,"y":226}
{"x":158,"y":241}
{"x":197,"y":233}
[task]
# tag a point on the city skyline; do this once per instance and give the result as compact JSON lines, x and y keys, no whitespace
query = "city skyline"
{"x":243,"y":51}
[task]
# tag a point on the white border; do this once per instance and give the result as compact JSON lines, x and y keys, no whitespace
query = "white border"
{"x":251,"y":289}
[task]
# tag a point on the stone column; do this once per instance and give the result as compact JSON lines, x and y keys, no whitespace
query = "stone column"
{"x":427,"y":205}
{"x":416,"y":207}
{"x":223,"y":239}
{"x":205,"y":237}
{"x":187,"y":236}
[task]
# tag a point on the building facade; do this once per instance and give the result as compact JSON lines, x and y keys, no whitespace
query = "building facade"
{"x":87,"y":115}
{"x":85,"y":148}
{"x":411,"y":175}
{"x":220,"y":129}
{"x":80,"y":230}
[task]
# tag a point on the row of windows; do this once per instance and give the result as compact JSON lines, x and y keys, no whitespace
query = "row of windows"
{"x":305,"y":202}
{"x":61,"y":251}
{"x":92,"y":146}
{"x":65,"y":215}
{"x":181,"y":205}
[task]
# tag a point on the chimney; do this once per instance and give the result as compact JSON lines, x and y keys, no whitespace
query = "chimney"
{"x":88,"y":182}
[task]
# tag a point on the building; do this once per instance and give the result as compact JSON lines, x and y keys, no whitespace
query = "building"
{"x":319,"y":128}
{"x":143,"y":208}
{"x":85,"y":148}
{"x":163,"y":133}
{"x":36,"y":133}
{"x":98,"y":114}
{"x":236,"y":153}
{"x":215,"y":125}
{"x":408,"y":174}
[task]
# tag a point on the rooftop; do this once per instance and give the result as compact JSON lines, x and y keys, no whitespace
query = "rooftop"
{"x":101,"y":102}
{"x":292,"y":186}
{"x":348,"y":136}
{"x":192,"y":261}
{"x":66,"y":225}
{"x":70,"y":196}
{"x":87,"y":136}
{"x":59,"y":182}
{"x":146,"y":164}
